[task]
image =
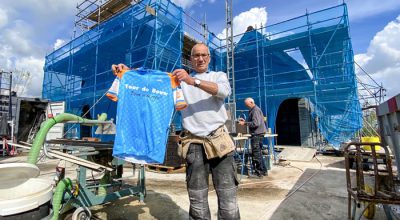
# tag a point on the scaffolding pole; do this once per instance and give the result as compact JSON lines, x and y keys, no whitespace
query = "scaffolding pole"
{"x":230,"y":66}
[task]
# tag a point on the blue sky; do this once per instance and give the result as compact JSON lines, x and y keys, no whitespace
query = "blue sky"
{"x":30,"y":29}
{"x":366,"y":18}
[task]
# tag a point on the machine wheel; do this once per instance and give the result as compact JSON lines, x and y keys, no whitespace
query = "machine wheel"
{"x":81,"y":213}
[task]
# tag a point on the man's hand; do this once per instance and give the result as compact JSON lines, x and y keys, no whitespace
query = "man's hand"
{"x":241,"y":121}
{"x":182,"y":75}
{"x":118,"y":68}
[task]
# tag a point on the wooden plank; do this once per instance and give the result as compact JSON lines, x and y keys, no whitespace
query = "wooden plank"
{"x":109,"y":9}
{"x":165,"y":169}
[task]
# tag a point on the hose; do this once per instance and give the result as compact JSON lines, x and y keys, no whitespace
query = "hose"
{"x":47,"y":125}
{"x":102,"y":191}
{"x":58,"y":196}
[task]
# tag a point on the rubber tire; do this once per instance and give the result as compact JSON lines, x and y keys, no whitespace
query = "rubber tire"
{"x":34,"y":214}
{"x":81,"y":213}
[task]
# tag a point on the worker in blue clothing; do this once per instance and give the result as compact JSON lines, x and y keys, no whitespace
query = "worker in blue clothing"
{"x":257,"y":129}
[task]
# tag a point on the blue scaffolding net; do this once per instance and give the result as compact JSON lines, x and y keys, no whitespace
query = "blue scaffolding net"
{"x":308,"y":57}
{"x":147,"y":34}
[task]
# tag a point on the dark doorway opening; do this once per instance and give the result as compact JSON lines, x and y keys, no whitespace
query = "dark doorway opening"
{"x":287,"y":123}
{"x":86,"y":131}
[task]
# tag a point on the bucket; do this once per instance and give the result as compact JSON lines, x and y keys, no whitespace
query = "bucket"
{"x":21,"y":194}
{"x":25,"y":197}
{"x":370,"y":140}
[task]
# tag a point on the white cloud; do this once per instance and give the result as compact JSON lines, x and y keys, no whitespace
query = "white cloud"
{"x":184,"y":3}
{"x":17,"y":38}
{"x":28,"y":30}
{"x":382,"y":59}
{"x":59,"y":43}
{"x":359,"y":9}
{"x":253,"y":17}
{"x":3,"y":18}
{"x":44,"y":11}
{"x":35,"y":67}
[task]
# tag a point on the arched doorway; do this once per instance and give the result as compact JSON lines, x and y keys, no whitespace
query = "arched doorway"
{"x":287,"y":123}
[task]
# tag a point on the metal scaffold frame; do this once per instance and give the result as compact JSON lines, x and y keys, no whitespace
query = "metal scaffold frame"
{"x":230,"y":63}
{"x":6,"y":95}
{"x":147,"y":34}
{"x":308,"y":57}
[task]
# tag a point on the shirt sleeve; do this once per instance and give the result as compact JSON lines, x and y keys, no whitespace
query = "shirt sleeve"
{"x":256,"y":120}
{"x":224,"y":88}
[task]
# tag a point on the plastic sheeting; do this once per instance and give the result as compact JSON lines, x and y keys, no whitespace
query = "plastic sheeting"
{"x":309,"y":57}
{"x":79,"y":73}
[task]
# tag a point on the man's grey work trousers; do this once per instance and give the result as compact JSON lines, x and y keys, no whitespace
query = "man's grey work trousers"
{"x":225,"y":182}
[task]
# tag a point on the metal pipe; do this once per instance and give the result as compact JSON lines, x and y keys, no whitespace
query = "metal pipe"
{"x":10,"y":101}
{"x":46,"y":126}
{"x":52,"y":154}
{"x":19,"y":145}
{"x":79,"y":161}
{"x":46,"y":152}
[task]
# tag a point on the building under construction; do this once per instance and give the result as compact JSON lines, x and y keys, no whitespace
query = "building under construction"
{"x":300,"y":71}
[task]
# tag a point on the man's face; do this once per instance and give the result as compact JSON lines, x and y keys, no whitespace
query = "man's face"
{"x":248,"y":104}
{"x":200,"y":58}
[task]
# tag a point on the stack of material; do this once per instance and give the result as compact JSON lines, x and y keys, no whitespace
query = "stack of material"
{"x":172,"y":159}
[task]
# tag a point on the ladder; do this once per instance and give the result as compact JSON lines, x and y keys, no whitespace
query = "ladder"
{"x":230,"y":64}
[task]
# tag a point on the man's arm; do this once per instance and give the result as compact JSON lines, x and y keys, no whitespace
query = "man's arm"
{"x":221,"y":88}
{"x":257,"y":120}
{"x":224,"y":88}
{"x":207,"y":86}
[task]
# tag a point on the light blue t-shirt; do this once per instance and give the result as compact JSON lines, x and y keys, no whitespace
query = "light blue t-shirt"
{"x":145,"y":109}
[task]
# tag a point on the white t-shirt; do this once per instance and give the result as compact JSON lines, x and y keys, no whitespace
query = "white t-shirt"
{"x":205,"y":112}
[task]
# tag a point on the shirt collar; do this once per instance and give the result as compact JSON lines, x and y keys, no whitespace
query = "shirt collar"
{"x":194,"y":72}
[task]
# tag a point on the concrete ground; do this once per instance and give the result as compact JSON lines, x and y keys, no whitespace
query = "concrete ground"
{"x":292,"y":190}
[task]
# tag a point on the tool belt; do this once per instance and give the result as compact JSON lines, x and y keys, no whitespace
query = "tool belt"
{"x":217,"y":144}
